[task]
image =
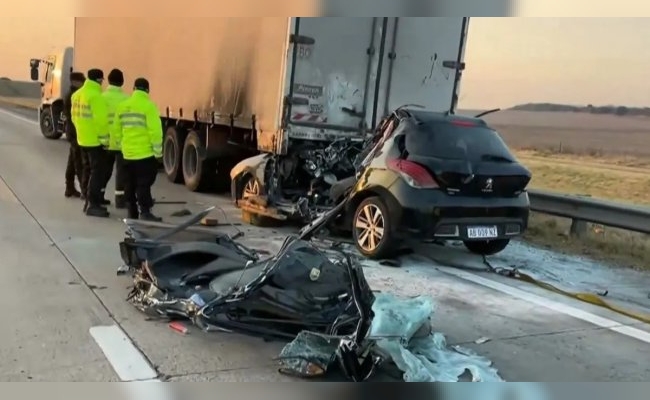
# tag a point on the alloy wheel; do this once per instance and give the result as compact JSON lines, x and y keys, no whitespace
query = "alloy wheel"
{"x":369,"y":226}
{"x":251,"y":189}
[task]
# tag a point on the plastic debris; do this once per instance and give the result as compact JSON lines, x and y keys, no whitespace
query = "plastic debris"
{"x":308,"y":355}
{"x":178,"y":327}
{"x":401,"y":330}
{"x":424,"y":357}
{"x":482,"y":340}
{"x":209,"y":221}
{"x":197,"y":299}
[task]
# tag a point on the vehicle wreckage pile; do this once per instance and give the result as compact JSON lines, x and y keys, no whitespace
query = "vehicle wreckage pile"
{"x":313,"y":296}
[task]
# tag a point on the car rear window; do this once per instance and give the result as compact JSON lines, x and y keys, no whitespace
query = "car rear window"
{"x":449,"y":141}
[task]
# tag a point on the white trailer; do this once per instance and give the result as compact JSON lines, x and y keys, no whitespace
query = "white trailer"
{"x":228,"y":88}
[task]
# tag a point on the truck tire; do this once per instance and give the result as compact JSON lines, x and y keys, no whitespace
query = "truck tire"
{"x":198,"y":173}
{"x":173,"y":154}
{"x":48,"y":128}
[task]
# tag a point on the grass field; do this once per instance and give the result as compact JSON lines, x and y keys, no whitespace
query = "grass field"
{"x":602,"y":156}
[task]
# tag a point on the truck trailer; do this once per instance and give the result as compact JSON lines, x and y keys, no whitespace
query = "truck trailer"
{"x":230,"y":88}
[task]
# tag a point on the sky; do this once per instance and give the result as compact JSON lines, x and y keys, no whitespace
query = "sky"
{"x":509,"y":60}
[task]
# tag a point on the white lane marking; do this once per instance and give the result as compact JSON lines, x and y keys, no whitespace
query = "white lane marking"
{"x":127,"y":361}
{"x":550,"y":304}
{"x":20,"y":117}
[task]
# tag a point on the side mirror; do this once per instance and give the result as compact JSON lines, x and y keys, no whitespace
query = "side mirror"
{"x":33,"y":69}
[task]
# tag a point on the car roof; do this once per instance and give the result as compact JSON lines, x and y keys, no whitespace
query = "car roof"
{"x":429,"y":117}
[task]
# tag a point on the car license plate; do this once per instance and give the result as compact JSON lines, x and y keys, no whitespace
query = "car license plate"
{"x":482,"y":232}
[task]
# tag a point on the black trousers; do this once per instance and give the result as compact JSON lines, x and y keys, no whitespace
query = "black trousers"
{"x":114,"y":159}
{"x":74,"y":167}
{"x":94,"y":173}
{"x":140,"y":176}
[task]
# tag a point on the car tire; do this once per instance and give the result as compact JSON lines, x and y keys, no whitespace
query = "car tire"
{"x":363,"y":231}
{"x":486,"y":247}
{"x":47,"y":125}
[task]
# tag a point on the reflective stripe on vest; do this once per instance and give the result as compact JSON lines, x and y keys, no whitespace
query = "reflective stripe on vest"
{"x":133,"y":119}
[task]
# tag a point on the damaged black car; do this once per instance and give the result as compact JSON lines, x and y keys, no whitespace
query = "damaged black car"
{"x":421,"y":175}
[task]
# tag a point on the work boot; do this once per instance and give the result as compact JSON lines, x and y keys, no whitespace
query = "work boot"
{"x":120,"y":203}
{"x":105,"y":202}
{"x":97,"y":211}
{"x":148,"y":216}
{"x":71,"y":191}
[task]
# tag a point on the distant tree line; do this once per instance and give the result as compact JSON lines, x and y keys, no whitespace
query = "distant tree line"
{"x":591,"y":109}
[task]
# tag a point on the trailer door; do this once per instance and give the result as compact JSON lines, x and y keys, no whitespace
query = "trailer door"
{"x":329,"y":76}
{"x":425,"y":59}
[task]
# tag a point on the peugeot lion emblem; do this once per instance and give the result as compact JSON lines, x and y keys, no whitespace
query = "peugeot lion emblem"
{"x":488,"y":185}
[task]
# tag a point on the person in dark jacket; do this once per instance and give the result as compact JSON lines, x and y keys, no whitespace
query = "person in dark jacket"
{"x":75,"y":167}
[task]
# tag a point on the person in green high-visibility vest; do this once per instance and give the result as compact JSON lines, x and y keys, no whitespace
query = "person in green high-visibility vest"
{"x":114,"y":95}
{"x":90,"y":119}
{"x":137,"y":128}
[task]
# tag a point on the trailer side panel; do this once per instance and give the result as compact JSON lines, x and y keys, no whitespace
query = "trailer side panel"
{"x":199,"y":68}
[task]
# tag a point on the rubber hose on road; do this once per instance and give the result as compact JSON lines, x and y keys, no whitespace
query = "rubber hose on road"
{"x":585,"y":297}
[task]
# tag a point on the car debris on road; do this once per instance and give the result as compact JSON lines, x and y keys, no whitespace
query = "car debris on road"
{"x":313,"y":296}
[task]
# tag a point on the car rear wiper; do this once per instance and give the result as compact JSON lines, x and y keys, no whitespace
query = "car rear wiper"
{"x":495,"y":157}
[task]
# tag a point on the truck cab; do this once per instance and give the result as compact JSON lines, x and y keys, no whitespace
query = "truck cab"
{"x":53,"y":72}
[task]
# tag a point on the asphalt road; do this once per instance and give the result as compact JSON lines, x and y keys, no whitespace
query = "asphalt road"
{"x":66,"y":318}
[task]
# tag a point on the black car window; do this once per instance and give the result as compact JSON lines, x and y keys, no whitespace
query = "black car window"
{"x":455,"y":141}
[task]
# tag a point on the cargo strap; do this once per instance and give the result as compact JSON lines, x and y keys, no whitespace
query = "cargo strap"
{"x":590,"y":298}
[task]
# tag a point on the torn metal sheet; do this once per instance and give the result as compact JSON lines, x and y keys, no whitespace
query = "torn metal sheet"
{"x":220,"y":285}
{"x":314,"y":296}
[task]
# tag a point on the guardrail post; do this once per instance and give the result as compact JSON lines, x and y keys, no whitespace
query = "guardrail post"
{"x":578,"y":228}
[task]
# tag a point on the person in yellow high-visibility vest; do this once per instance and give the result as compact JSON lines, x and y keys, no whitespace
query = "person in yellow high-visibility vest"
{"x":90,"y":119}
{"x":138,"y":130}
{"x":114,"y":96}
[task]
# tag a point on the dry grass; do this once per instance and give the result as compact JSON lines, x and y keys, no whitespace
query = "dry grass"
{"x":614,"y":246}
{"x":21,"y":102}
{"x":612,"y":179}
{"x":603,"y":156}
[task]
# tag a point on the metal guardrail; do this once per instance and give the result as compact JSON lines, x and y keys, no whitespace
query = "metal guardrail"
{"x":585,"y":209}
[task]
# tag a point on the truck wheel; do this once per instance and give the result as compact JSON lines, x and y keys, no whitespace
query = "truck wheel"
{"x":486,"y":247}
{"x":198,"y":173}
{"x":173,"y":155}
{"x":48,"y":128}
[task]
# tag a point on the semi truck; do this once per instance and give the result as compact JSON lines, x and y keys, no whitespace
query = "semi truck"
{"x":231,"y":88}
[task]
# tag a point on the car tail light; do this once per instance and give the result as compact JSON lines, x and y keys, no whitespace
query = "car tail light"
{"x":413,"y":173}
